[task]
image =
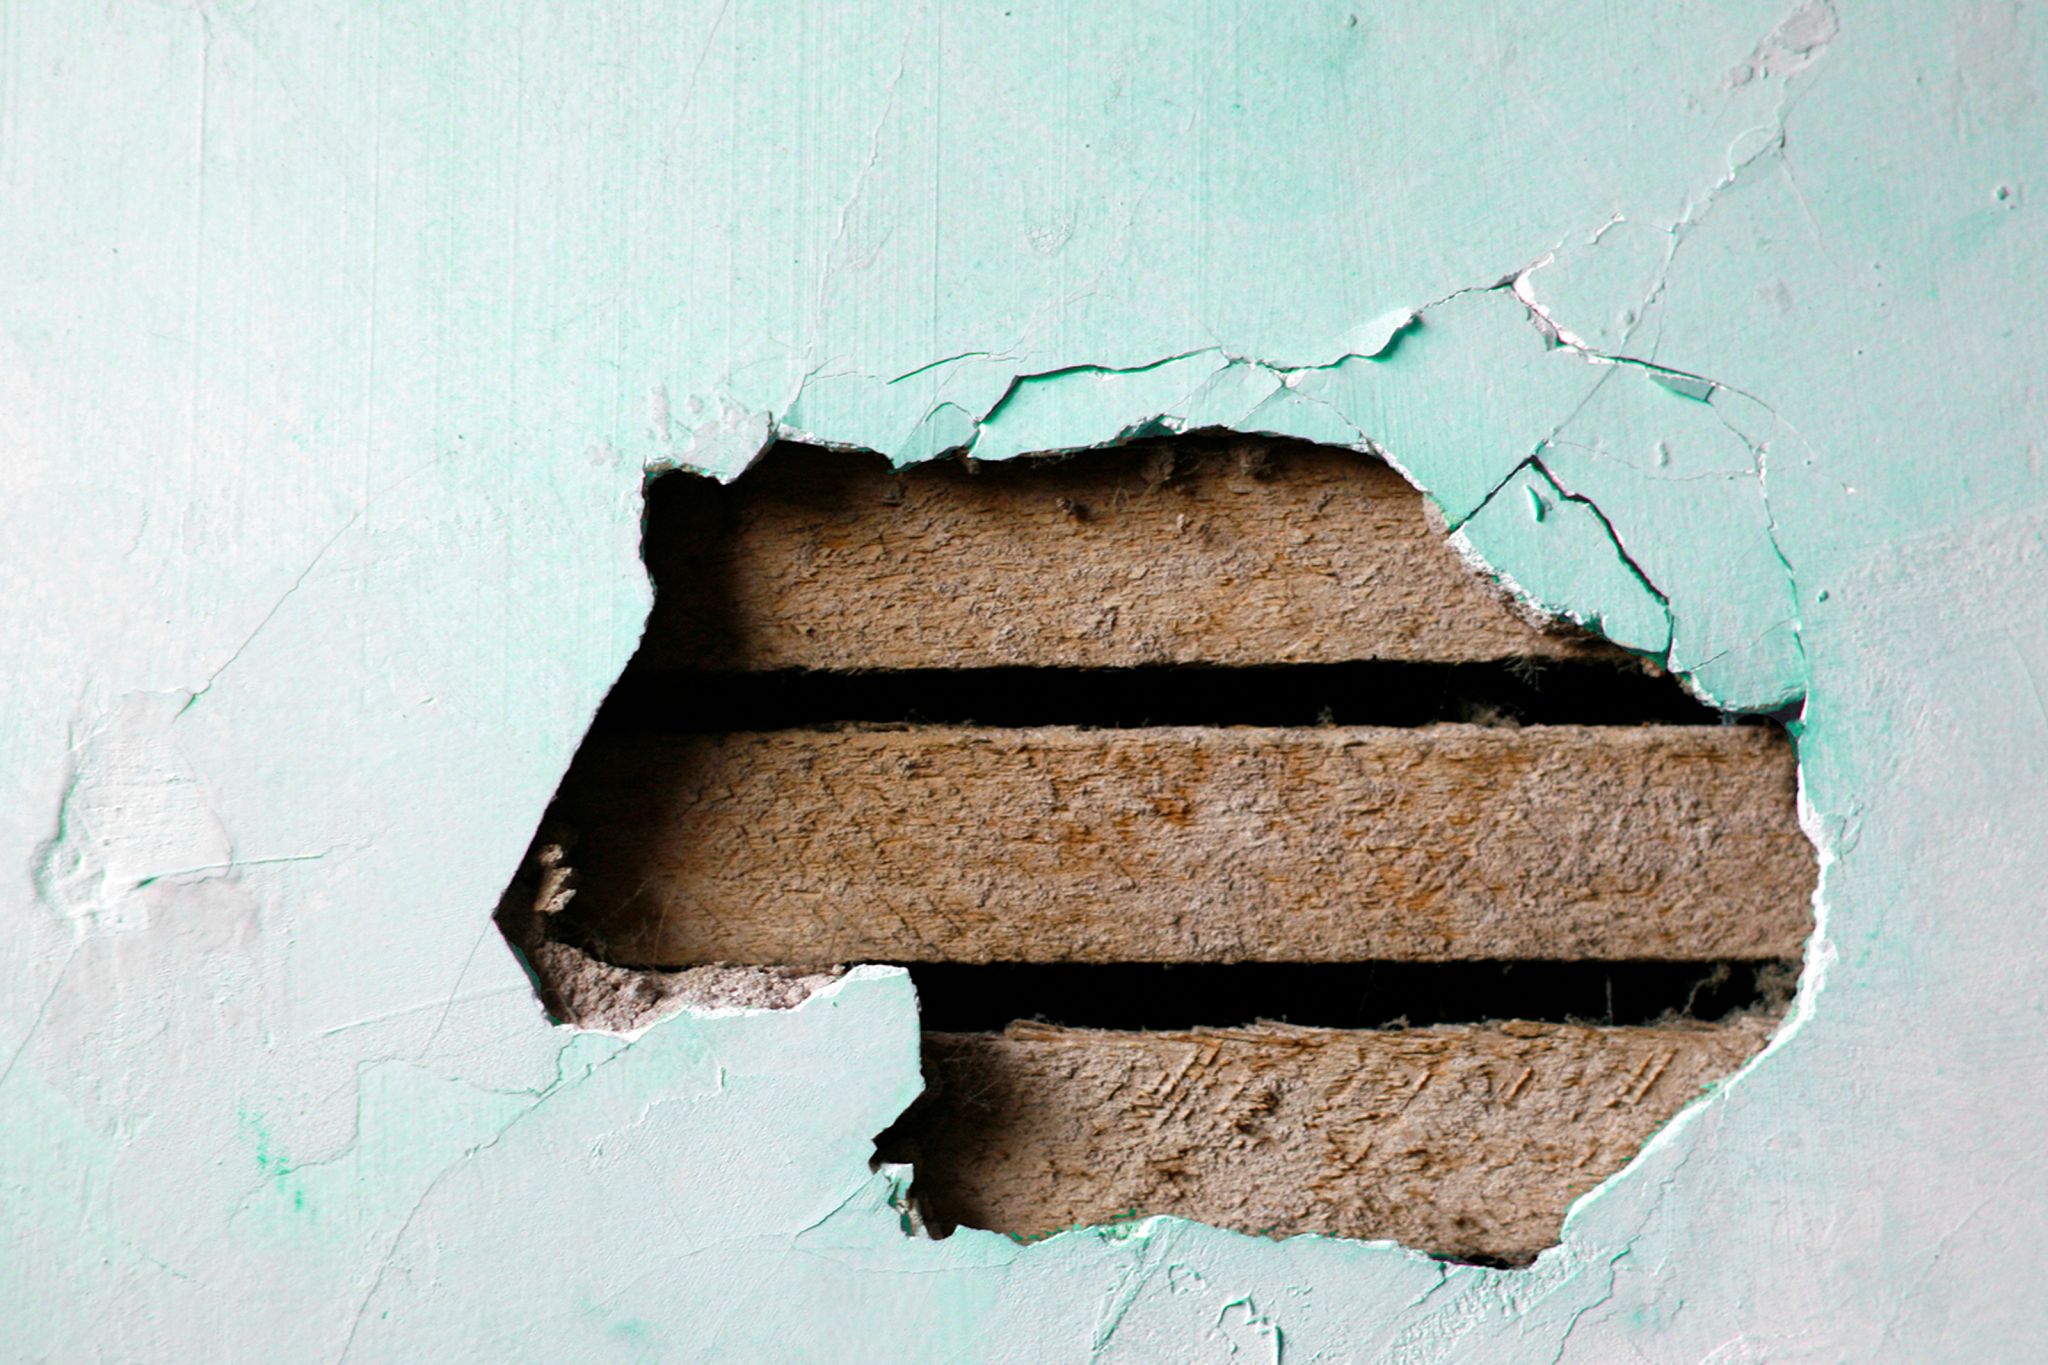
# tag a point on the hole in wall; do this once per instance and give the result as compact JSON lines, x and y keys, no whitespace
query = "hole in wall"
{"x":1253,"y":860}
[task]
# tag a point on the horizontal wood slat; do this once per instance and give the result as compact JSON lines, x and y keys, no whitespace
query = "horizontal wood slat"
{"x":1240,"y":552}
{"x":1464,"y":1141}
{"x":1172,"y":844}
{"x":965,"y":844}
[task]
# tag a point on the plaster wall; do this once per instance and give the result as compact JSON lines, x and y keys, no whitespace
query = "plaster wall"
{"x":336,"y":340}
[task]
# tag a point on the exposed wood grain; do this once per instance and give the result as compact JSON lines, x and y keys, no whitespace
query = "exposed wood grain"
{"x":1466,"y":1141}
{"x":1232,"y":551}
{"x":1179,"y":844}
{"x":939,"y":843}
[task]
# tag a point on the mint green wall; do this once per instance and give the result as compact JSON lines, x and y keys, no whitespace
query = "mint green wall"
{"x":335,"y":339}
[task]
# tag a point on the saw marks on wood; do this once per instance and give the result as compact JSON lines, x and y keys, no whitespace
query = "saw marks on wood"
{"x":824,"y":588}
{"x":1183,"y":552}
{"x":1186,"y":844}
{"x":1463,"y":1141}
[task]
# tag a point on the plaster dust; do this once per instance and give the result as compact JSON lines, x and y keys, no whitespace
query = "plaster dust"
{"x":589,"y":993}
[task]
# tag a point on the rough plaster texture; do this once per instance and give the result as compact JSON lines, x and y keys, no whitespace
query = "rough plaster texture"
{"x":334,"y":338}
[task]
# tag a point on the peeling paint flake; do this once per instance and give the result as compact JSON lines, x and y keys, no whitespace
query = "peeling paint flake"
{"x":1086,"y":406}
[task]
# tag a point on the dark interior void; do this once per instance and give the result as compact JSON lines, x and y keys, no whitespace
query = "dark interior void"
{"x":967,"y":998}
{"x":1524,"y":692}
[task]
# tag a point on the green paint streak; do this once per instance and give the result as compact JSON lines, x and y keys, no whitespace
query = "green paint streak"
{"x":283,"y":1183}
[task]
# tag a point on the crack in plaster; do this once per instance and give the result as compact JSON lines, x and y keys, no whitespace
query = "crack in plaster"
{"x":1535,"y":462}
{"x":740,"y":435}
{"x":1682,"y":382}
{"x":1025,"y":382}
{"x":470,"y":1154}
{"x":1137,"y":1273}
{"x":1690,"y":385}
{"x":1761,"y":454}
{"x":35,"y":1024}
{"x":1795,"y":44}
{"x":827,"y":267}
{"x":942,"y":361}
{"x":1798,"y":42}
{"x":1571,"y":1324}
{"x":271,"y":615}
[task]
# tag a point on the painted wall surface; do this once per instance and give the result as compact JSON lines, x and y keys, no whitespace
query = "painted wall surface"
{"x":335,"y":338}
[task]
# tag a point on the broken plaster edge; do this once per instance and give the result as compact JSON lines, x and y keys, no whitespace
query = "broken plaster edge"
{"x":1533,"y":610}
{"x":1386,"y":1251}
{"x":587,"y":992}
{"x":1568,"y":1254}
{"x":1817,"y":960}
{"x":819,"y":995}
